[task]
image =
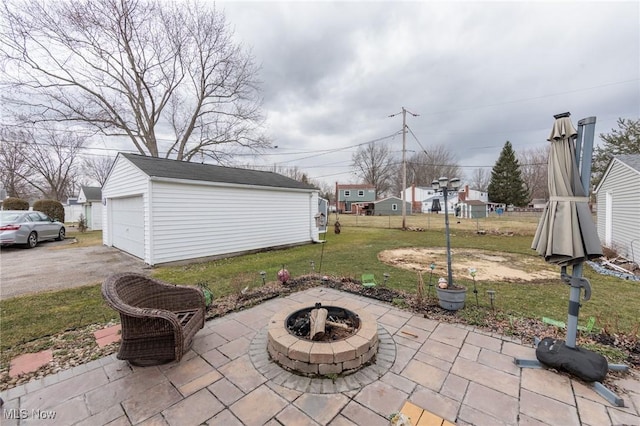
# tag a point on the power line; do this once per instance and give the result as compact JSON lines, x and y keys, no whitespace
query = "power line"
{"x":416,"y":138}
{"x":331,"y":151}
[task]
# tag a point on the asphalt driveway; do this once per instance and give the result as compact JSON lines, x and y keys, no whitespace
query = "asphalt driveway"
{"x":60,"y":265}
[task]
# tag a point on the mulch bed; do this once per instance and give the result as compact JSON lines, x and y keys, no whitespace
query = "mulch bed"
{"x":78,"y":346}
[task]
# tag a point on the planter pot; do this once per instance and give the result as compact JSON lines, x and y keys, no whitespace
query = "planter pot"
{"x":452,"y":299}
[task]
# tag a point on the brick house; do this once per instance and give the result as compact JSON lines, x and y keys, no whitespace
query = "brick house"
{"x":354,"y":198}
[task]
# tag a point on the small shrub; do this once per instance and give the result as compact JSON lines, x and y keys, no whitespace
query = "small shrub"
{"x":13,"y":203}
{"x":82,"y":223}
{"x":52,"y":208}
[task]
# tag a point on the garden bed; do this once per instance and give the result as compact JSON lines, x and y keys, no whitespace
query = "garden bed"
{"x":78,"y":346}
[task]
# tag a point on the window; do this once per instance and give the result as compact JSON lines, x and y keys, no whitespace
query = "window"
{"x":347,"y":193}
{"x":394,"y":207}
{"x":361,"y":193}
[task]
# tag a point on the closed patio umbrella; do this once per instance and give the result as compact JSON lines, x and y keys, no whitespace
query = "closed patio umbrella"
{"x":566,"y":234}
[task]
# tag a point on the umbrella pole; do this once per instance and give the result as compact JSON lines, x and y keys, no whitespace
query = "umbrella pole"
{"x":574,"y":307}
{"x":583,"y":152}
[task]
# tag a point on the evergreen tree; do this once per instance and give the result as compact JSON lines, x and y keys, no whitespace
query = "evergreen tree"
{"x":624,"y":140}
{"x":506,"y":184}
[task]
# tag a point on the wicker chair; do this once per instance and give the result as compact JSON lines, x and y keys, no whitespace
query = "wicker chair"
{"x":158,"y":319}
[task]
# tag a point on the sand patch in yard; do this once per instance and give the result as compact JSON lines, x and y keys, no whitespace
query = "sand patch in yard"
{"x":490,"y":266}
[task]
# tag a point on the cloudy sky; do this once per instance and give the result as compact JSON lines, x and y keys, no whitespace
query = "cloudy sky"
{"x":477,"y":73}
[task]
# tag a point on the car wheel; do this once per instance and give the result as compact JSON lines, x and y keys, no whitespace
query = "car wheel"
{"x":60,"y":235}
{"x":32,"y":240}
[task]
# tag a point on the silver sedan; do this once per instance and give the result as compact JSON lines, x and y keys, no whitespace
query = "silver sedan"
{"x":28,"y":228}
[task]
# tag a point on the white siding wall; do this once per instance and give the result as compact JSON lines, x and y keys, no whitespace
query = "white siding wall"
{"x":623,"y":184}
{"x":420,"y":194}
{"x":124,"y":180}
{"x":96,"y":215}
{"x":198,"y":220}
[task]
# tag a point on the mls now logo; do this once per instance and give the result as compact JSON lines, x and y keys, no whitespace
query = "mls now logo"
{"x":14,"y":413}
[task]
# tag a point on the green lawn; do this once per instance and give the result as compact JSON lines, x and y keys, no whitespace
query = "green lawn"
{"x":349,"y":254}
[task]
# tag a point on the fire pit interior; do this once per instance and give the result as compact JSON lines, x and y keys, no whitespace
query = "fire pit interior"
{"x":322,"y":340}
{"x":323,"y":323}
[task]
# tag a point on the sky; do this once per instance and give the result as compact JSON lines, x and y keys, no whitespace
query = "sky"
{"x":476,"y":73}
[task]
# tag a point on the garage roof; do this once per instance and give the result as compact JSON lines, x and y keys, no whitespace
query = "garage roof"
{"x":174,"y":169}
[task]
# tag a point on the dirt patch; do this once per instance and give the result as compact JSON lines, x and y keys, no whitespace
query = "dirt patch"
{"x":489,"y":266}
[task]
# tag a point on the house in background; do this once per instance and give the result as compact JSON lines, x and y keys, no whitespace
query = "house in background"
{"x":390,"y":206}
{"x":618,"y":198}
{"x":90,"y":198}
{"x":355,"y":198}
{"x":466,"y":193}
{"x":426,"y":200}
{"x":164,"y":210}
{"x":72,"y":210}
{"x":435,"y":203}
{"x":416,"y":195}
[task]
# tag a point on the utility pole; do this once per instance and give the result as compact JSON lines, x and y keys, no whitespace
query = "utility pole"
{"x":404,"y":163}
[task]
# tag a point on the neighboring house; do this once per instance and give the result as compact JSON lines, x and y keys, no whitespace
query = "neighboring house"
{"x":472,"y":209}
{"x":72,"y":210}
{"x":391,"y":206}
{"x":166,"y":210}
{"x":355,"y":198}
{"x":91,"y":199}
{"x":435,"y":203}
{"x":618,"y":197}
{"x":422,"y":198}
{"x":415,"y":195}
{"x":466,"y":193}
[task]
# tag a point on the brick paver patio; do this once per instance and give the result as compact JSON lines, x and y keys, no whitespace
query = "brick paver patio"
{"x":453,"y":373}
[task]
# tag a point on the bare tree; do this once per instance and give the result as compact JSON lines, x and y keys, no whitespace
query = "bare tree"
{"x":291,"y":172}
{"x":52,"y":159}
{"x":424,"y":167}
{"x":533,"y":168}
{"x":325,"y":190}
{"x":480,"y":179}
{"x":97,"y":168}
{"x":15,"y":172}
{"x":167,"y":75}
{"x":375,"y":165}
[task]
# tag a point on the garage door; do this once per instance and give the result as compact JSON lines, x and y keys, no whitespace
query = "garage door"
{"x":128,"y":225}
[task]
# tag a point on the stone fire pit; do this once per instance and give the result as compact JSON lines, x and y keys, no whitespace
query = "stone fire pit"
{"x":337,"y":353}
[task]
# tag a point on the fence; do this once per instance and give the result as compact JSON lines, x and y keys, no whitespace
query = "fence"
{"x":517,"y":222}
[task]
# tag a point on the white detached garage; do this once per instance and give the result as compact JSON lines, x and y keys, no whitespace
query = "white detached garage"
{"x":166,"y":210}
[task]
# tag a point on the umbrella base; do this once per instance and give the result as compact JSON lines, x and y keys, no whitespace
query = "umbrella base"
{"x":582,"y":363}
